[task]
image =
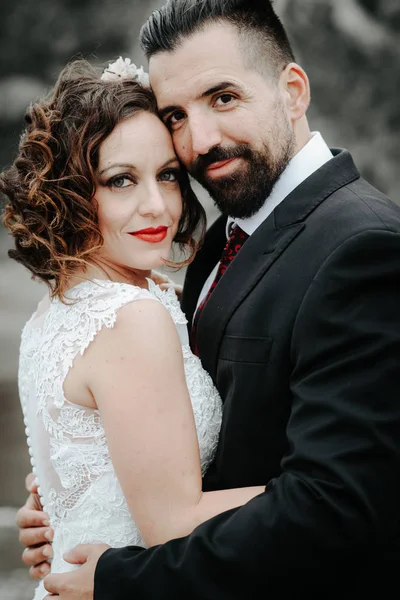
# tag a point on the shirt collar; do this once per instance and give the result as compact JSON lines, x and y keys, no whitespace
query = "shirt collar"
{"x":303,"y":164}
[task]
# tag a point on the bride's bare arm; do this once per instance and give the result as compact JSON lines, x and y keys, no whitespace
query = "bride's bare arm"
{"x":138,"y":382}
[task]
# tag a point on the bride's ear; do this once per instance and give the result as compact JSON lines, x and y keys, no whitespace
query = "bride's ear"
{"x":296,"y":90}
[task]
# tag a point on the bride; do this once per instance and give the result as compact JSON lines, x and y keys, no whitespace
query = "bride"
{"x":121,"y":419}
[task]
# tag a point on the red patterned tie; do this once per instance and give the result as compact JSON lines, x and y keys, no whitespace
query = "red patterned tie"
{"x":235,"y":241}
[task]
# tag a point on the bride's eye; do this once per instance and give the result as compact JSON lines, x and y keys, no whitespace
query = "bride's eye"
{"x":169,"y":175}
{"x":120,"y":181}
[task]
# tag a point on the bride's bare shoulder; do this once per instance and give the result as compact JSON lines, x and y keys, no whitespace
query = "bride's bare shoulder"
{"x":138,"y":324}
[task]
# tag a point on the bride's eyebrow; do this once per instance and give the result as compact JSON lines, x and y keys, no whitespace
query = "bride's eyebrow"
{"x":131,"y":166}
{"x":117,"y":165}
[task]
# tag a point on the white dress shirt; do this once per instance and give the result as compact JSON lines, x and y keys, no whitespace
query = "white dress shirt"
{"x":303,"y":164}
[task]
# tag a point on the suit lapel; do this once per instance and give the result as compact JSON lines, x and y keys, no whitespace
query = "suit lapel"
{"x":205,"y":261}
{"x":263,"y":248}
{"x":257,"y":255}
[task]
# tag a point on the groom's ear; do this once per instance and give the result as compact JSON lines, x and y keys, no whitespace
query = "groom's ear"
{"x":296,"y":89}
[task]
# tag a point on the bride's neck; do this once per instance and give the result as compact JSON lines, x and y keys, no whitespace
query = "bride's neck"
{"x":106,"y":271}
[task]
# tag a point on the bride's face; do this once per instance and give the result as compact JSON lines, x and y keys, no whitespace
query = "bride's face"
{"x":138,"y":193}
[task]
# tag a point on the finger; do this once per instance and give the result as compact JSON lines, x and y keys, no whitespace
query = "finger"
{"x":50,"y":584}
{"x":35,"y":536}
{"x":39,"y":571}
{"x":54,"y":583}
{"x":159,"y":278}
{"x":31,"y":483}
{"x":78,"y":555}
{"x":33,"y":502}
{"x":167,"y":286}
{"x":35,"y":556}
{"x":178,"y":288}
{"x":28,"y":517}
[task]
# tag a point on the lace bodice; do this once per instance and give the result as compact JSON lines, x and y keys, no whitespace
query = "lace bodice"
{"x":67,"y":443}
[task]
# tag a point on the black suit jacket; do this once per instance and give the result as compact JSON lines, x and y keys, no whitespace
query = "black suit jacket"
{"x":302,"y":338}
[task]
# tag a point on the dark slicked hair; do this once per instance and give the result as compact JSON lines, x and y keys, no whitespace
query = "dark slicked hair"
{"x":169,"y":26}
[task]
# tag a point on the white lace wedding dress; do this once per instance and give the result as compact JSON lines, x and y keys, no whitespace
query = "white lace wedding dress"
{"x":67,"y":444}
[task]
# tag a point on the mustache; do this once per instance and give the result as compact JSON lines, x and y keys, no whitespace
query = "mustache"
{"x":216,"y":154}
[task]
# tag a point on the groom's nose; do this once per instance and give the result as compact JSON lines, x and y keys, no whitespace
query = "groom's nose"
{"x":204,"y":133}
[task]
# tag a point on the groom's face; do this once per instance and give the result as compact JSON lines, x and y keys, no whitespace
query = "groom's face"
{"x":229,"y":122}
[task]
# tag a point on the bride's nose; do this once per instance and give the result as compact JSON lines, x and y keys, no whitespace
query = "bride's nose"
{"x":152,"y":201}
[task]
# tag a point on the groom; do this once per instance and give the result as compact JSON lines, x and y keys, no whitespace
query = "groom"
{"x":301,"y":334}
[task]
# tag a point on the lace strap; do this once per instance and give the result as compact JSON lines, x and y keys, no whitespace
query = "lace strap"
{"x":70,"y":328}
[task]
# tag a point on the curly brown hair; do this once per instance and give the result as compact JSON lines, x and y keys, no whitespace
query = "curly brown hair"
{"x":51,"y":211}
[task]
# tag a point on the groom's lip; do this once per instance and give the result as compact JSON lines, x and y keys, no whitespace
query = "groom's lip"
{"x":218,"y":167}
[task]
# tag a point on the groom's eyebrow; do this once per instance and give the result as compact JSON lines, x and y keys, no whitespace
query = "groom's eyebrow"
{"x":220,"y":87}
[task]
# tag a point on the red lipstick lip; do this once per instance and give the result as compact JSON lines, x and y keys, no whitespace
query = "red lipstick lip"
{"x":150,"y":230}
{"x":152,"y":235}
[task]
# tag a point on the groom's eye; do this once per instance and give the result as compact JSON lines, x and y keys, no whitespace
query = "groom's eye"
{"x":224,"y":99}
{"x":175,"y":118}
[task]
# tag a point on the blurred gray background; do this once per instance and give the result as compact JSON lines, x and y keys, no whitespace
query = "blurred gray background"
{"x":351,"y":52}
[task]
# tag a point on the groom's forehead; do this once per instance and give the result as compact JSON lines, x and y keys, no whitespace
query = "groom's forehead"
{"x":210,"y":55}
{"x":213,"y":44}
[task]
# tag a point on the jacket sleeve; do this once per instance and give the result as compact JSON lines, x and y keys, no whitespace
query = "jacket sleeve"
{"x":334,"y":510}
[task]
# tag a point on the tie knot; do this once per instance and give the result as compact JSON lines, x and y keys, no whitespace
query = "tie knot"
{"x":235,"y":241}
{"x":231,"y":227}
{"x":236,"y":234}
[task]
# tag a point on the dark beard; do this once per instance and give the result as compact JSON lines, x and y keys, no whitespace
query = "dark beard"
{"x":243,"y":193}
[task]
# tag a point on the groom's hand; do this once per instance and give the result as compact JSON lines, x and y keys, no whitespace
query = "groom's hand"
{"x":79,"y":584}
{"x":34,"y":532}
{"x":164,"y":282}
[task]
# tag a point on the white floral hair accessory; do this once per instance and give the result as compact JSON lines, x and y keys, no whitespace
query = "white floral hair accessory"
{"x":125,"y":69}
